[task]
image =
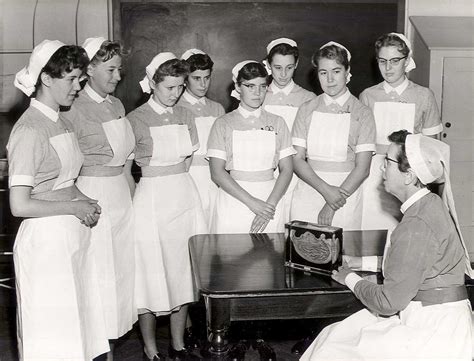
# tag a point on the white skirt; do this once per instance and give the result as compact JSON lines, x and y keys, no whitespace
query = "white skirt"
{"x":307,"y":203}
{"x":168,"y":212}
{"x":381,"y":210}
{"x":232,"y":216}
{"x":206,"y":187}
{"x":439,"y":332}
{"x":60,"y":316}
{"x":113,"y":246}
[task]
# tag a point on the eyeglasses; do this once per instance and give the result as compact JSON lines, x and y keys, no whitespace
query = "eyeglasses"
{"x":253,"y":87}
{"x":393,"y":61}
{"x":387,"y":159}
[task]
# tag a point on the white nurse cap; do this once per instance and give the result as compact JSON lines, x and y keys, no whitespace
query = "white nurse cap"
{"x":26,"y":78}
{"x":157,"y":61}
{"x":188,"y":53}
{"x":92,"y":46}
{"x":235,"y":74}
{"x":278,"y":41}
{"x":429,"y":160}
{"x":411,"y":63}
{"x":349,"y":56}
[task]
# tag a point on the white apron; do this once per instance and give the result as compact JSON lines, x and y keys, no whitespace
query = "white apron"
{"x":167,"y":212}
{"x":438,"y":332}
{"x":328,"y":135}
{"x":199,"y":169}
{"x":59,"y":317}
{"x":289,"y":114}
{"x":112,"y":237}
{"x":232,"y":216}
{"x":381,"y":210}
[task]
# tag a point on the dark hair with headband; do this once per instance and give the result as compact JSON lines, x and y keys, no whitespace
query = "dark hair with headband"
{"x":107,"y":51}
{"x":64,"y":60}
{"x":399,"y":137}
{"x":283,"y":49}
{"x":173,"y":67}
{"x":391,"y":40}
{"x":331,"y":52}
{"x":200,"y":62}
{"x":251,"y":71}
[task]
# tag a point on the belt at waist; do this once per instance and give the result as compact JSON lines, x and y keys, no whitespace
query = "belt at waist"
{"x":252,"y":176}
{"x":100,"y":171}
{"x":329,"y":166}
{"x":381,"y":148}
{"x":199,"y":160}
{"x":436,"y":296}
{"x":63,"y":194}
{"x":160,"y":171}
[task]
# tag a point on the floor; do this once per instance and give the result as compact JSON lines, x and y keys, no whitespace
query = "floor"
{"x":280,"y":334}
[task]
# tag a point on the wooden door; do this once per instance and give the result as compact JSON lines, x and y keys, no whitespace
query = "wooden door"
{"x":458,"y":117}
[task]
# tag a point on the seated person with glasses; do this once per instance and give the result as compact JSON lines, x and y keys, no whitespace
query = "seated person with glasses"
{"x":397,"y":103}
{"x":421,"y":310}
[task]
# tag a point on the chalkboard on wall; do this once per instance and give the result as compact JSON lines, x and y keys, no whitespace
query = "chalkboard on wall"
{"x":234,"y":31}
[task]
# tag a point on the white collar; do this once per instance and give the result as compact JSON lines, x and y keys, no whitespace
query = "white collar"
{"x":95,"y":96}
{"x":399,"y":89}
{"x":286,"y":90}
{"x":247,"y":113}
{"x":328,"y":100}
{"x":414,"y":197}
{"x":192,"y":99}
{"x":160,"y":109}
{"x":43,"y":108}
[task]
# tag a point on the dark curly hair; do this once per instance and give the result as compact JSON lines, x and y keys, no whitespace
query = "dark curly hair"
{"x":283,"y":49}
{"x":331,"y":52}
{"x":391,"y":40}
{"x":107,"y":51}
{"x":200,"y":62}
{"x":251,"y":71}
{"x":64,"y":60}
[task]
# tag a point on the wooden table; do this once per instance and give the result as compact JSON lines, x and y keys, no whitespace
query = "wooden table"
{"x":243,"y":277}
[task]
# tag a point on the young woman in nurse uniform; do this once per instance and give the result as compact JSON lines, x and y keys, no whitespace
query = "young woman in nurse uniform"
{"x":205,"y":113}
{"x":106,"y":141}
{"x":244,"y":147}
{"x":166,"y":204}
{"x":397,"y":103}
{"x":59,"y":316}
{"x":284,"y":96}
{"x":334,"y":136}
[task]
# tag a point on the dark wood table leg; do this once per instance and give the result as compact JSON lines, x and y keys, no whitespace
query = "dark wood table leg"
{"x":218,"y":323}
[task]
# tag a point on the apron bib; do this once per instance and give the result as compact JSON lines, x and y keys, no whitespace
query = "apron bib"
{"x":203,"y":125}
{"x":171,"y":144}
{"x":120,"y":136}
{"x":285,"y":111}
{"x":392,"y":116}
{"x":70,"y":156}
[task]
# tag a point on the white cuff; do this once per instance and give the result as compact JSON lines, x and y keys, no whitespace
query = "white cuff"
{"x":299,"y":142}
{"x":216,"y":153}
{"x":365,"y":148}
{"x":196,"y":146}
{"x":433,"y":130}
{"x":21,"y":180}
{"x":287,"y":152}
{"x":351,"y":280}
{"x":369,"y":263}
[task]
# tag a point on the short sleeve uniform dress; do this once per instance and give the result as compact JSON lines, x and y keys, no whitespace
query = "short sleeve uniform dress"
{"x":285,"y":102}
{"x":332,"y":132}
{"x":59,"y":317}
{"x":167,"y":206}
{"x":205,"y":112}
{"x":251,"y":144}
{"x":408,"y":106}
{"x":106,"y":141}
